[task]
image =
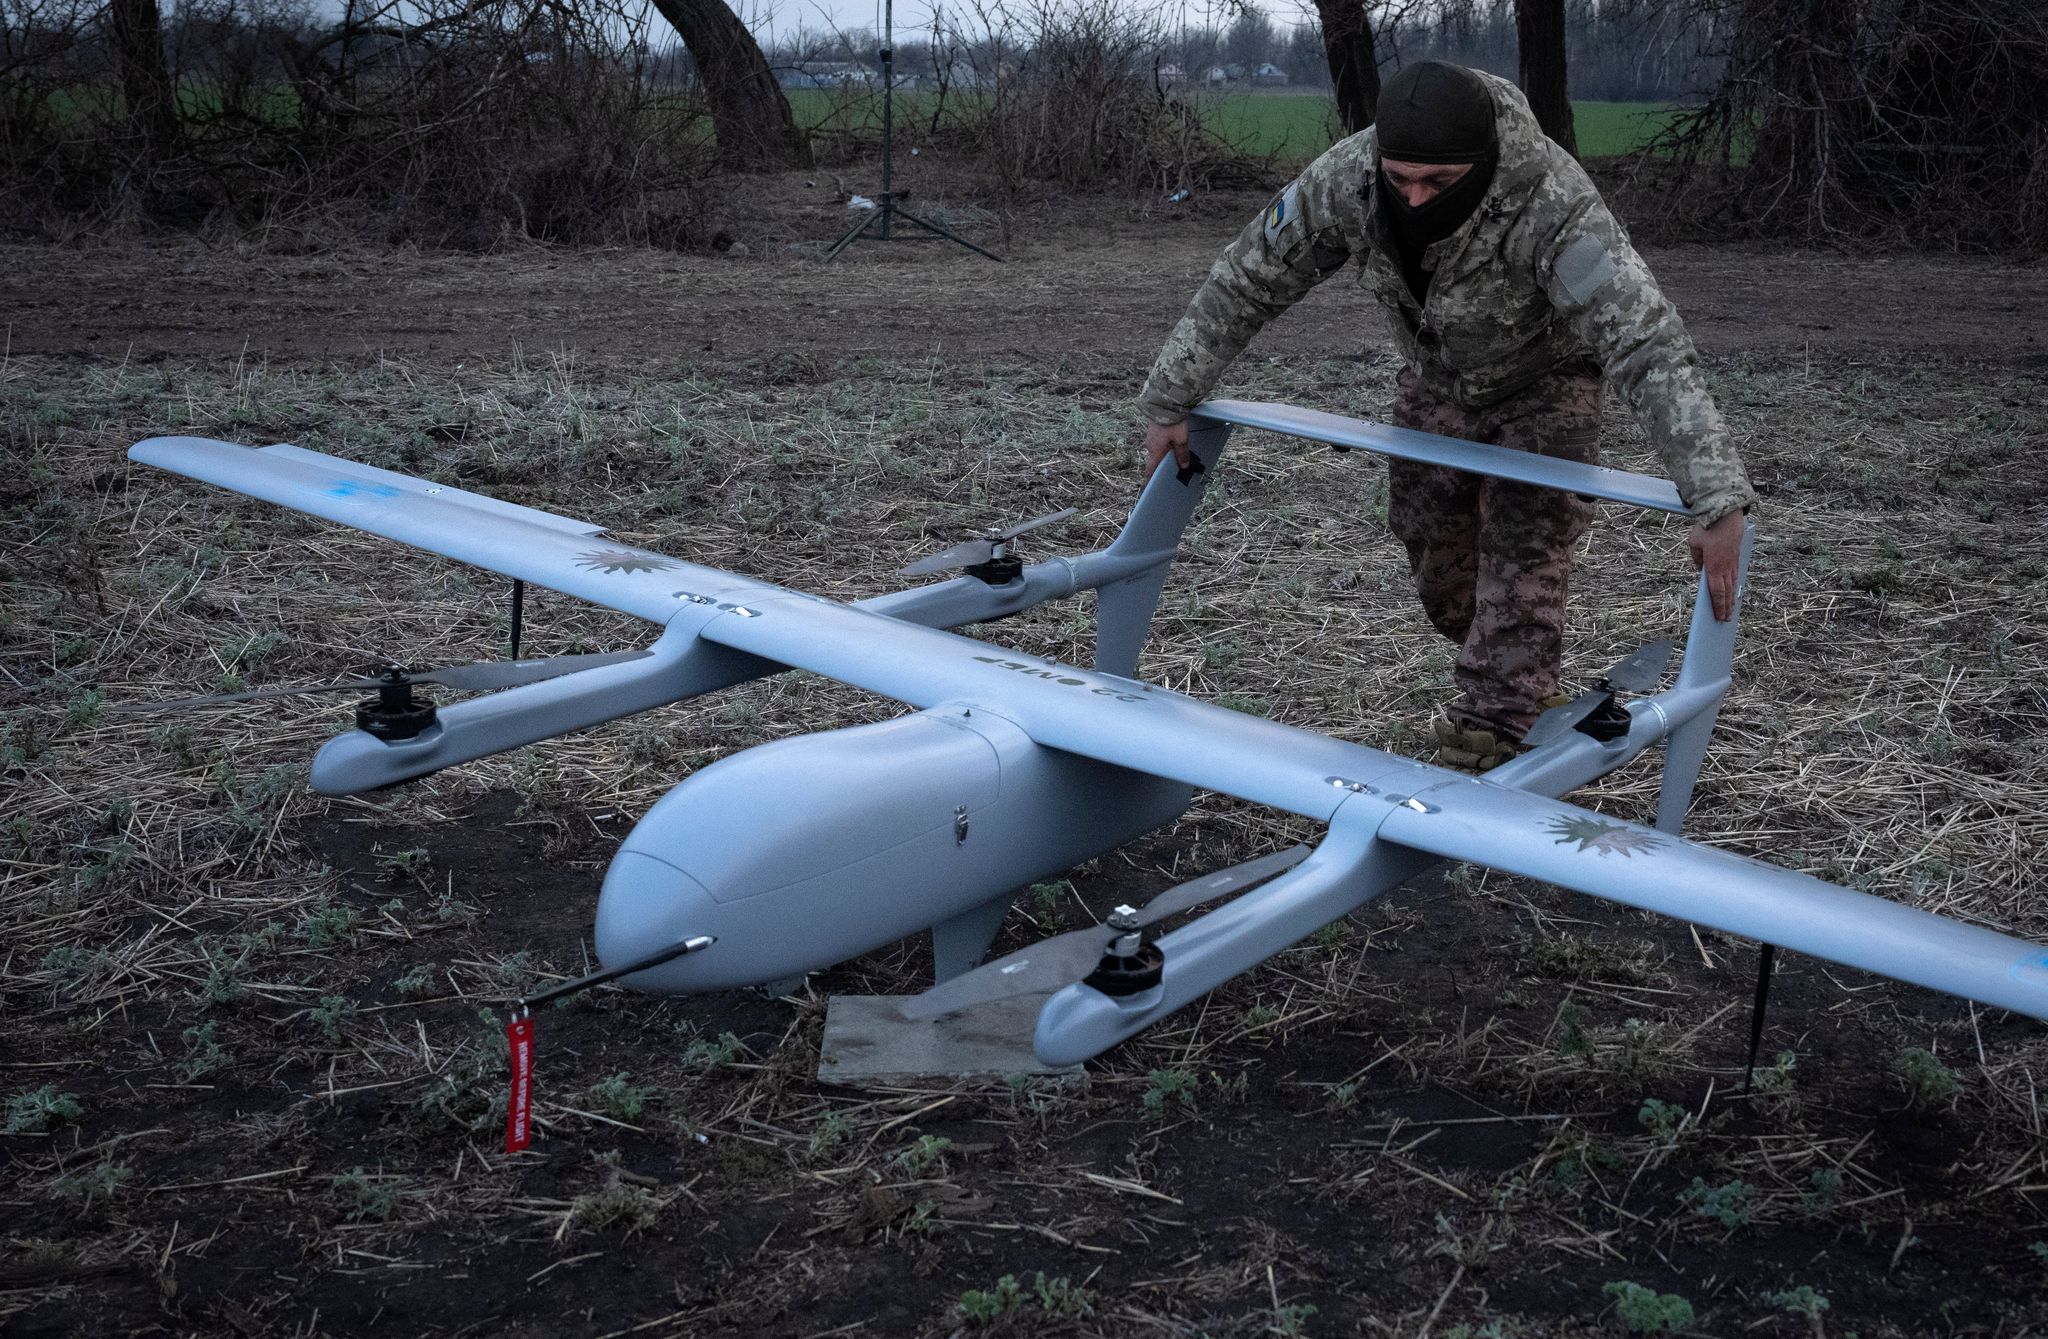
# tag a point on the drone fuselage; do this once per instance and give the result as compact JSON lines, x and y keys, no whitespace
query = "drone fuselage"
{"x":802,"y":853}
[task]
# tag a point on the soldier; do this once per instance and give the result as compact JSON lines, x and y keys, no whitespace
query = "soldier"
{"x":1510,"y":289}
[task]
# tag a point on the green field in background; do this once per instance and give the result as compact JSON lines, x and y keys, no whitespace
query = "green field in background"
{"x":1294,"y":126}
{"x":1297,"y":126}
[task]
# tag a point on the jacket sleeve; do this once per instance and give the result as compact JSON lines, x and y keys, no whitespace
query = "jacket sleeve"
{"x":1601,"y":286}
{"x":1306,"y":234}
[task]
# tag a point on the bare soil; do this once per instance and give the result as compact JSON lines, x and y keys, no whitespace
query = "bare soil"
{"x":1102,"y":286}
{"x":1465,"y":1110}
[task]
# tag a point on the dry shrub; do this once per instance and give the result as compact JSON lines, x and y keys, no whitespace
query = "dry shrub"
{"x":467,"y":124}
{"x":1923,"y":121}
{"x":1066,"y":92}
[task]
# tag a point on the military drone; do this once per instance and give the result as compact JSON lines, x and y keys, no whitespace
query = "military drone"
{"x":792,"y":856}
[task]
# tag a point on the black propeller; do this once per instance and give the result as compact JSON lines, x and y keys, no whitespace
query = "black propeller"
{"x":1051,"y":963}
{"x":476,"y":676}
{"x":982,"y":548}
{"x":1639,"y":673}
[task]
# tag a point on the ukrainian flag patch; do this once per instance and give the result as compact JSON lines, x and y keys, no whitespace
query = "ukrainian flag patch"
{"x":1280,"y":213}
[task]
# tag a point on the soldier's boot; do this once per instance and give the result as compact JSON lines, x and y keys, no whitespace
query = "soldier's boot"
{"x":1470,"y":748}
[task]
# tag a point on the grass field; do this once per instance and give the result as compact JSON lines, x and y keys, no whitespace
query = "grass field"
{"x":1289,"y":125}
{"x":1300,"y":126}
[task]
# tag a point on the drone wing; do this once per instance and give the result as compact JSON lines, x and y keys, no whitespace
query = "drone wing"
{"x":554,"y":551}
{"x":1152,"y":730}
{"x":1623,"y":862}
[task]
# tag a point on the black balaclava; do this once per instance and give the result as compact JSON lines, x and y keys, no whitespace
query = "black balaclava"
{"x":1433,"y":112}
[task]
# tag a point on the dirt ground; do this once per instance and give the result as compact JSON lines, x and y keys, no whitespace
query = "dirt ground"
{"x":250,"y":1038}
{"x":1097,"y":287}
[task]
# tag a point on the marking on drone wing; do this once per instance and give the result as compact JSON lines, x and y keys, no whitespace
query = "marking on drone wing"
{"x":2032,"y":969}
{"x":624,"y":560}
{"x":1057,"y":675}
{"x":1606,"y":838}
{"x":352,"y":488}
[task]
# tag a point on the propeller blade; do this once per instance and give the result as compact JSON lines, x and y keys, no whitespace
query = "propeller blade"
{"x":1051,"y":963}
{"x":960,"y":555}
{"x":1046,"y":965}
{"x":1559,"y":721}
{"x":1210,"y":886}
{"x":218,"y":699}
{"x":1022,"y":527}
{"x":1644,"y":670}
{"x":473,"y":677}
{"x":481,"y":674}
{"x":981,"y":548}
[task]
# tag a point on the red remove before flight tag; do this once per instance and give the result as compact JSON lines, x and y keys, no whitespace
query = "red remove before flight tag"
{"x":518,"y":1111}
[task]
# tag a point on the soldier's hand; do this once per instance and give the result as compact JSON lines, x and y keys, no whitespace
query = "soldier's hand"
{"x":1163,"y":441}
{"x":1717,"y":551}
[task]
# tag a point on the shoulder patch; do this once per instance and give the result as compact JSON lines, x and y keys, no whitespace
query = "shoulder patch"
{"x":1283,"y":212}
{"x":1584,"y":266}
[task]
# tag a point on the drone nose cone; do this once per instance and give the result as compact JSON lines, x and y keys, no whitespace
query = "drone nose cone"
{"x":647,"y":905}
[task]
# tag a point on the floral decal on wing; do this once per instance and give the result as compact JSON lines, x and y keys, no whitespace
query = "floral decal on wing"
{"x":624,"y":560}
{"x":1606,"y":838}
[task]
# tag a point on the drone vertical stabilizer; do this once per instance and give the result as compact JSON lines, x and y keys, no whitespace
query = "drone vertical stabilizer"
{"x":1151,"y":537}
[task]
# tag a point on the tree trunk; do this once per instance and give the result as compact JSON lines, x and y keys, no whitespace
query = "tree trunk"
{"x":749,"y":113}
{"x":1354,"y":64}
{"x":145,"y":78}
{"x":1539,"y":30}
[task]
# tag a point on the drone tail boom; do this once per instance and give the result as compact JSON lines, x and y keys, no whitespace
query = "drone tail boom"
{"x":1349,"y":868}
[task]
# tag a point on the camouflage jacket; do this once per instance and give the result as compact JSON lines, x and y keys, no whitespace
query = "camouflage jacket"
{"x":1540,"y":276}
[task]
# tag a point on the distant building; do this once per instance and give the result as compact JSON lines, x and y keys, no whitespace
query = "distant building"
{"x":1269,"y":75}
{"x":828,"y":74}
{"x":1171,"y":74}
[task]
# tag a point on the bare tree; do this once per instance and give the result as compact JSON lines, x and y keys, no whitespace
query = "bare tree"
{"x":1838,"y":120}
{"x":749,"y":112}
{"x":1540,"y":31}
{"x":145,"y":78}
{"x":1354,"y":60}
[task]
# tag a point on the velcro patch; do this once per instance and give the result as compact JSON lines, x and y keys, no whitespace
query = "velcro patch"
{"x":1282,"y":212}
{"x":1584,"y":266}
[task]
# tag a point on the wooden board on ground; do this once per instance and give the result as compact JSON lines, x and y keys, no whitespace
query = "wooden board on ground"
{"x":868,"y":1042}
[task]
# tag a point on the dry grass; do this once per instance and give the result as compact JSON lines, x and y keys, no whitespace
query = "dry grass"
{"x":266,"y":1003}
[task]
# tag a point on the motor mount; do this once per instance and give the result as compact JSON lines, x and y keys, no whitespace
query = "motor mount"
{"x":1000,"y":570}
{"x":1129,"y":965}
{"x":1607,"y":722}
{"x":395,"y":713}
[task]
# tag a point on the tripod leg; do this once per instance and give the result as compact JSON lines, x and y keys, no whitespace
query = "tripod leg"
{"x":858,"y":229}
{"x":951,"y":237}
{"x":1756,"y":1011}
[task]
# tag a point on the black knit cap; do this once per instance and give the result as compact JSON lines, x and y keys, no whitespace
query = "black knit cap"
{"x":1434,"y":112}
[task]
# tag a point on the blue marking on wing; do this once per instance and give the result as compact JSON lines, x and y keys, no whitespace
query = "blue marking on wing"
{"x":353,"y":488}
{"x":2032,"y":969}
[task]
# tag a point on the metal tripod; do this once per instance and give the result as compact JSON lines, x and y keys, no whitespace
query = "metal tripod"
{"x":887,"y":208}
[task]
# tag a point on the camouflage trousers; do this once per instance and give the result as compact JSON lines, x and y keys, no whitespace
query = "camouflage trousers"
{"x":1492,"y":559}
